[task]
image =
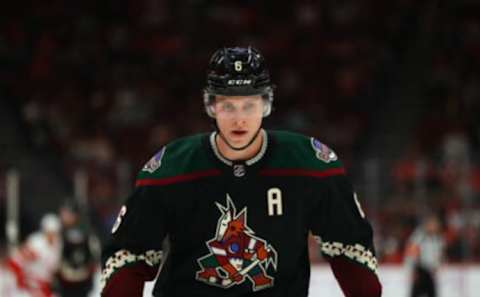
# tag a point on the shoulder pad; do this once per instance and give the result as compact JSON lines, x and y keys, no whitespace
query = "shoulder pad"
{"x":295,"y":150}
{"x":178,"y":157}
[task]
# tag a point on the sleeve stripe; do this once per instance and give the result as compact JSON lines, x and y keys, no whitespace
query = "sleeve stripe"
{"x":303,"y":172}
{"x":357,"y":253}
{"x":176,"y":179}
{"x":123,"y":258}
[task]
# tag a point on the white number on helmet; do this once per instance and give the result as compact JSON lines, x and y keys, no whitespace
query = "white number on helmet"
{"x":238,"y":66}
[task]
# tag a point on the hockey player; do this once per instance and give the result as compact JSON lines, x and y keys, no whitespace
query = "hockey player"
{"x":36,"y":261}
{"x":229,"y":213}
{"x":77,"y":265}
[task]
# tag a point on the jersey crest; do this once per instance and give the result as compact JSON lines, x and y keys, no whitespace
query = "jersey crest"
{"x":236,"y":254}
{"x":155,"y":162}
{"x":323,"y":152}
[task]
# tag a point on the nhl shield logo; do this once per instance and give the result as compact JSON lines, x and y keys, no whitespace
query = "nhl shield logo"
{"x":239,"y":170}
{"x":236,"y":254}
{"x":323,"y":152}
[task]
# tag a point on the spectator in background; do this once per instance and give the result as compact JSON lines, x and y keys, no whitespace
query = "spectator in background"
{"x":424,"y":254}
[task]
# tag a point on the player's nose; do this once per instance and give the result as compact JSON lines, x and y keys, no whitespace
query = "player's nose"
{"x":239,"y":118}
{"x":239,"y":122}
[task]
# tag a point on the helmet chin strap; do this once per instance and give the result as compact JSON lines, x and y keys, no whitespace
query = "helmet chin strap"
{"x":242,"y":147}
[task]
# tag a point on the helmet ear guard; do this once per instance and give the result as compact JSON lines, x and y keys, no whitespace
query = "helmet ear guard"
{"x":208,"y":101}
{"x":268,"y":102}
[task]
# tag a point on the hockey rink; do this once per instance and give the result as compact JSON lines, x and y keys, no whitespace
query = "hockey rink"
{"x":453,"y":281}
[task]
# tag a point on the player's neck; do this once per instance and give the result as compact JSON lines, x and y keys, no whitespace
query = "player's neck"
{"x":246,"y":154}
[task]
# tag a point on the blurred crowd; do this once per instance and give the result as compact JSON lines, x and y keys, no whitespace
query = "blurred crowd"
{"x":104,"y":85}
{"x":439,"y":169}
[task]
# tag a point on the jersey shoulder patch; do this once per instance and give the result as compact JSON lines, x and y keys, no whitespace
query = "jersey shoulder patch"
{"x":155,"y":162}
{"x":323,"y":152}
{"x":294,"y":150}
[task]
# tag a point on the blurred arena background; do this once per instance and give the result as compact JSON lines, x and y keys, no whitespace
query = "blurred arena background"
{"x":89,"y":90}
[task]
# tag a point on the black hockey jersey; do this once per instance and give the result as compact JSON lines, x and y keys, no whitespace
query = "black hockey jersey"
{"x":217,"y":227}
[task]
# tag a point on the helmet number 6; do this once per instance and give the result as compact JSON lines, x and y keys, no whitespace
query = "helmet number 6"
{"x":238,"y":66}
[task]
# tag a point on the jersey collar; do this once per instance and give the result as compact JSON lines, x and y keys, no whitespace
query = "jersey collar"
{"x":248,"y":162}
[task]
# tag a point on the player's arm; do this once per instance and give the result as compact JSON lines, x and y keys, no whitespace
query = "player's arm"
{"x":134,"y":253}
{"x":345,"y":237}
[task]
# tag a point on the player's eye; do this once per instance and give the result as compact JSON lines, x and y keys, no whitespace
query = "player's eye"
{"x":227,"y":107}
{"x":249,"y":107}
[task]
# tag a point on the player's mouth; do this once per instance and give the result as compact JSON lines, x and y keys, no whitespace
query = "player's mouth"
{"x":239,"y":133}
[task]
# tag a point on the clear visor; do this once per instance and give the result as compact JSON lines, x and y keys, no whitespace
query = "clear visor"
{"x":212,"y":106}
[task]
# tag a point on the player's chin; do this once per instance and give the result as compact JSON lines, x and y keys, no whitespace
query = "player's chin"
{"x":239,"y":139}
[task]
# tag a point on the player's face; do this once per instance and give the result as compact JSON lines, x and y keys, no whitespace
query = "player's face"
{"x":239,"y":117}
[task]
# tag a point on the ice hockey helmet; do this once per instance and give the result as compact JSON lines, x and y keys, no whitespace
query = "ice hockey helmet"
{"x":238,"y":71}
{"x":50,"y":223}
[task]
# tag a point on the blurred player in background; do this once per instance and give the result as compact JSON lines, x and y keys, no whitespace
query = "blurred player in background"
{"x":78,"y":263}
{"x":236,"y":206}
{"x":424,"y":254}
{"x":34,"y":264}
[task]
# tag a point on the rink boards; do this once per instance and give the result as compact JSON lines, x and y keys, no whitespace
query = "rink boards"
{"x":453,"y":281}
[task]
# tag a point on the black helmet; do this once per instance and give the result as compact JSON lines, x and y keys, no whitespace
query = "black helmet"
{"x":237,"y":71}
{"x":70,"y":204}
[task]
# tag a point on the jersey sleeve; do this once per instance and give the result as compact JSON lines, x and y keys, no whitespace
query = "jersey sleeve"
{"x":345,"y":236}
{"x":134,"y":251}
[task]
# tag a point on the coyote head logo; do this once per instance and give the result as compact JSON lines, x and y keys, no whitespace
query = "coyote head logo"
{"x":236,"y":253}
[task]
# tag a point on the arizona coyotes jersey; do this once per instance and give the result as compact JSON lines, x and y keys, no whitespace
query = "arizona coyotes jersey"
{"x":217,"y":227}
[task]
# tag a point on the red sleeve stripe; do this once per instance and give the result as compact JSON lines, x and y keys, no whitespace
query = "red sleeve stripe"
{"x":176,"y":179}
{"x":303,"y":172}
